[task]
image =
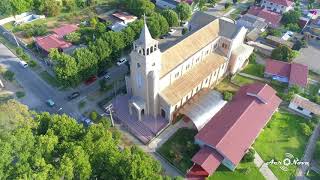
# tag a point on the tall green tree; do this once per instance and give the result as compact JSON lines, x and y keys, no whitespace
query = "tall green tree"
{"x":116,"y":42}
{"x":171,"y":17}
{"x":158,"y":25}
{"x":87,"y":63}
{"x":184,"y":11}
{"x":21,"y":6}
{"x":5,"y":8}
{"x":102,"y":49}
{"x":291,"y":17}
{"x":283,"y":53}
{"x":139,"y":7}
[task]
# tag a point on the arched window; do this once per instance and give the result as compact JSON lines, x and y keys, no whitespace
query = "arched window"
{"x":148,"y":51}
{"x":144,"y":53}
{"x":151,"y":49}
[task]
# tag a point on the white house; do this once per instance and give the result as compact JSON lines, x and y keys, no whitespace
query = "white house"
{"x":279,"y":6}
{"x":304,"y":106}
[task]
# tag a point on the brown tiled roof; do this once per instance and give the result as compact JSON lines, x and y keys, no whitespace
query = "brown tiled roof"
{"x":279,"y":68}
{"x":191,"y":79}
{"x":306,"y":104}
{"x":65,"y":29}
{"x":51,"y":41}
{"x":235,"y":127}
{"x":272,"y":18}
{"x":181,"y":51}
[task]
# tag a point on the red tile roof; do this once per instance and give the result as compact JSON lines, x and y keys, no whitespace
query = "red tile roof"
{"x":51,"y":41}
{"x":286,"y":3}
{"x":208,"y":158}
{"x":296,"y":73}
{"x":272,"y":18}
{"x":64,"y":30}
{"x":299,"y":74}
{"x":235,"y":127}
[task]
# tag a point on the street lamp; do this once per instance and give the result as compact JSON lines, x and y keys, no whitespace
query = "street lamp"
{"x":14,"y":37}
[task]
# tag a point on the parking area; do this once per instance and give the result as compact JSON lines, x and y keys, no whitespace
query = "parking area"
{"x":310,"y":56}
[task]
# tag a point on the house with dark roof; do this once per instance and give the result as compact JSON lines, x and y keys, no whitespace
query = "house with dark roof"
{"x":279,"y":6}
{"x":291,"y":73}
{"x":272,"y":18}
{"x":226,"y":138}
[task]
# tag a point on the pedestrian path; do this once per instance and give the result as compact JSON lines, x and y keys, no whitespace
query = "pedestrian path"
{"x":263,"y":168}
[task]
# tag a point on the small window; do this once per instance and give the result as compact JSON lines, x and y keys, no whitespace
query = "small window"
{"x":300,"y":108}
{"x":206,"y":80}
{"x":138,"y":65}
{"x":177,"y":74}
{"x":144,"y":53}
{"x":187,"y":67}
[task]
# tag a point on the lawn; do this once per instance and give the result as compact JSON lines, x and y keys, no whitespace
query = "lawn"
{"x":241,"y":80}
{"x":180,"y":148}
{"x":49,"y":79}
{"x":282,"y":135}
{"x":254,"y":69}
{"x":226,"y":85}
{"x":244,"y":171}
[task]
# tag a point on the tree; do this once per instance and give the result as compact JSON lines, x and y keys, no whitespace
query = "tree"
{"x":227,"y":96}
{"x":275,"y":32}
{"x":139,"y":7}
{"x":87,"y":63}
{"x":158,"y":25}
{"x":69,"y":4}
{"x":227,"y":5}
{"x":171,"y":17}
{"x":306,"y":129}
{"x":293,"y":27}
{"x":283,"y":53}
{"x":184,"y":11}
{"x":5,"y":8}
{"x":66,"y":68}
{"x":102,"y":49}
{"x":291,"y":17}
{"x":49,"y":7}
{"x":201,"y":4}
{"x":249,"y":156}
{"x":300,"y":44}
{"x":20,"y":6}
{"x":115,"y":41}
{"x":73,"y":37}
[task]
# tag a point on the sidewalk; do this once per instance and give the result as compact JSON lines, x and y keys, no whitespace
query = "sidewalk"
{"x":263,"y":167}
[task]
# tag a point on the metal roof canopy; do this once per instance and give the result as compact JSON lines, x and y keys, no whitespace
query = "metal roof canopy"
{"x":202,"y":107}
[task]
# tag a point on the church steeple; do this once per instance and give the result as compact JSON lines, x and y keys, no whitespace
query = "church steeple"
{"x":145,"y":44}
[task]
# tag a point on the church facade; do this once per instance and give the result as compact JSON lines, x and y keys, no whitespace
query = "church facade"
{"x":162,"y":81}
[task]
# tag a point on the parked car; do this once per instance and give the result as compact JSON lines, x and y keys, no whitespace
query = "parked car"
{"x":106,"y":77}
{"x":73,"y":95}
{"x":122,"y":61}
{"x":102,"y":73}
{"x":90,"y":80}
{"x":50,"y":102}
{"x":172,"y":31}
{"x":23,"y":64}
{"x":164,"y":36}
{"x":85,"y":121}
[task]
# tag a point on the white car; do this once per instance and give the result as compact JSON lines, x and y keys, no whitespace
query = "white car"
{"x":106,"y":77}
{"x":122,"y":61}
{"x":172,"y":31}
{"x":23,"y":64}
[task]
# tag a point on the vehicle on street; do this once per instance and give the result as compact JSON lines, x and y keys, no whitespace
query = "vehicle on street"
{"x":90,"y":80}
{"x":23,"y":64}
{"x":73,"y":95}
{"x":172,"y":31}
{"x":85,"y":121}
{"x":106,"y":77}
{"x":122,"y":61}
{"x":50,"y":102}
{"x":164,"y":36}
{"x":102,"y":73}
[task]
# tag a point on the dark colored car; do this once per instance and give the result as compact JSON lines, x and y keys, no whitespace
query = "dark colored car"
{"x":90,"y":80}
{"x":102,"y":73}
{"x":73,"y":95}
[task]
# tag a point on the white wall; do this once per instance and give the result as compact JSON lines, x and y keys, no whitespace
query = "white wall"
{"x":295,"y":108}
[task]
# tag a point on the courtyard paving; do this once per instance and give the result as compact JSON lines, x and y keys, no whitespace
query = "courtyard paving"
{"x":310,"y":56}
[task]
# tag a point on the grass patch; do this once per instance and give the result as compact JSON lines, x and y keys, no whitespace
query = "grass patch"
{"x":235,"y":13}
{"x":50,"y":79}
{"x":244,"y":171}
{"x":254,"y":69}
{"x":226,"y":85}
{"x":20,"y":94}
{"x":313,"y":175}
{"x":8,"y":26}
{"x":180,"y":148}
{"x":240,"y":80}
{"x":283,"y":134}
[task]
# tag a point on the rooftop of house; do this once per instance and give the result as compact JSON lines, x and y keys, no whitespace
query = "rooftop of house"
{"x":51,"y":41}
{"x":272,"y":18}
{"x":124,"y":16}
{"x":181,"y":87}
{"x":191,"y":43}
{"x":65,"y":29}
{"x":295,"y":72}
{"x":235,"y":127}
{"x":279,"y":40}
{"x":286,"y":3}
{"x":255,"y":21}
{"x":306,"y":104}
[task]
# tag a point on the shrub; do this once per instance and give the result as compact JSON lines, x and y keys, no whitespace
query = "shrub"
{"x":94,"y":116}
{"x":19,"y":51}
{"x":73,"y":37}
{"x":252,"y":58}
{"x":226,"y":5}
{"x":249,"y":156}
{"x":25,"y":57}
{"x":33,"y":63}
{"x":275,"y":32}
{"x":227,"y":96}
{"x":8,"y":75}
{"x":306,"y":130}
{"x":184,"y":31}
{"x":20,"y":94}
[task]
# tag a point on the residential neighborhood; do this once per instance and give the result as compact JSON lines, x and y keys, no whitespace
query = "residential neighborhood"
{"x":160,"y":89}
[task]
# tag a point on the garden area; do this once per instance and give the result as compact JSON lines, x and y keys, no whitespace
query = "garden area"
{"x":254,"y":69}
{"x":241,"y":80}
{"x":285,"y":133}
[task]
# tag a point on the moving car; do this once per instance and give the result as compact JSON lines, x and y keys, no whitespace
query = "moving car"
{"x":23,"y":64}
{"x":74,"y":95}
{"x":50,"y":102}
{"x":106,"y":77}
{"x":122,"y":61}
{"x":90,"y":80}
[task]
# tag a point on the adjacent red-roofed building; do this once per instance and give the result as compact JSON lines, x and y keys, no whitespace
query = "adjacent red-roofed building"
{"x":279,"y":6}
{"x":65,"y":30}
{"x":229,"y":134}
{"x":292,"y":73}
{"x":272,"y":18}
{"x":46,"y":43}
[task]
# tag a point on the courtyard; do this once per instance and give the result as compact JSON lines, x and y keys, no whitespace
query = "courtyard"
{"x":310,"y":56}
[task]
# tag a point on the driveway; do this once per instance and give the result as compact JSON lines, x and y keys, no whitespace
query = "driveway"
{"x":310,"y":56}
